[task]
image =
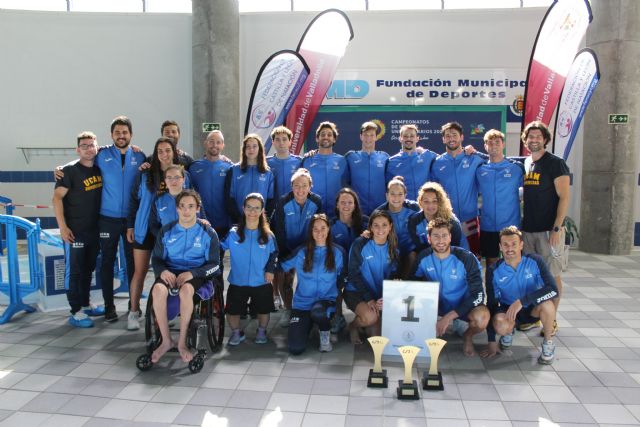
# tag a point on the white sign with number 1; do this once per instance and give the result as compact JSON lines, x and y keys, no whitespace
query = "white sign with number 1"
{"x":409,"y":314}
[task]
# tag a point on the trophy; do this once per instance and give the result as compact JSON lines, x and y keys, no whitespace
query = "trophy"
{"x":408,"y":388}
{"x":433,"y":379}
{"x":377,"y":375}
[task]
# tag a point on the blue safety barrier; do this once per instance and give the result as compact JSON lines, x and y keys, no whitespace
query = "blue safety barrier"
{"x":8,"y":207}
{"x":12,"y":286}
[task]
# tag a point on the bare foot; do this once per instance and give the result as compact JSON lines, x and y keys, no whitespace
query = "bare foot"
{"x":160,"y":351}
{"x":354,"y":335}
{"x":185,"y":353}
{"x":467,"y":347}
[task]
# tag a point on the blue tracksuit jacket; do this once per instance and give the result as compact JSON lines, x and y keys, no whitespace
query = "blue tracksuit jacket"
{"x":239,"y":183}
{"x":250,"y":259}
{"x":330,"y":173}
{"x":460,"y":278}
{"x":283,"y":170}
{"x":499,"y":184}
{"x":414,"y":168}
{"x":418,"y":232}
{"x":367,"y":177}
{"x":344,"y":235}
{"x":401,"y":224}
{"x":117,"y":181}
{"x":291,"y":221}
{"x":369,"y":265}
{"x":208,"y":180}
{"x":195,"y":249}
{"x":317,"y":284}
{"x":458,"y":177}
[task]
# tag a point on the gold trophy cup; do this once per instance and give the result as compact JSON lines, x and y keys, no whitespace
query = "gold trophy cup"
{"x":378,"y":376}
{"x":433,"y":379}
{"x":408,"y":387}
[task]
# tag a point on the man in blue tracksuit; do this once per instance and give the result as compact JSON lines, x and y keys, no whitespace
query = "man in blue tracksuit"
{"x":520,"y":289}
{"x":459,"y":274}
{"x":185,"y":256}
{"x":410,"y":163}
{"x":499,"y":181}
{"x":367,"y":169}
{"x":208,"y":176}
{"x":119,"y":166}
{"x":329,"y":170}
{"x":283,"y":164}
{"x":456,"y":171}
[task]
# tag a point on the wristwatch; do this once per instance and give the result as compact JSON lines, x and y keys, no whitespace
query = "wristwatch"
{"x":556,"y":229}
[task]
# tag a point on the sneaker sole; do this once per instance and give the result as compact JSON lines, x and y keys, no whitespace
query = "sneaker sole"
{"x":238,"y":343}
{"x":545,"y":362}
{"x":505,"y":347}
{"x":115,"y":319}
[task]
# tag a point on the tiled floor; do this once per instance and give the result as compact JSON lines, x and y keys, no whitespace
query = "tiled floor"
{"x":51,"y":374}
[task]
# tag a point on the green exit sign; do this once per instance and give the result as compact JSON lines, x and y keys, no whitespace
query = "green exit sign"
{"x":208,"y":127}
{"x":618,"y":119}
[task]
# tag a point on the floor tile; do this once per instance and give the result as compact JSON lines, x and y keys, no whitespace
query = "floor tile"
{"x":568,"y":413}
{"x":220,"y":380}
{"x":445,"y":409}
{"x":121,"y":409}
{"x":612,"y":414}
{"x":143,"y":392}
{"x":516,"y":393}
{"x":258,"y":383}
{"x":174,"y":394}
{"x":249,"y":399}
{"x":323,"y":420}
{"x":525,"y":411}
{"x":14,"y":399}
{"x":47,"y":402}
{"x":84,"y":405}
{"x":37,"y":382}
{"x":211,"y":396}
{"x":327,"y":404}
{"x":159,"y":412}
{"x":195,"y":415}
{"x":281,"y":419}
{"x":25,"y":419}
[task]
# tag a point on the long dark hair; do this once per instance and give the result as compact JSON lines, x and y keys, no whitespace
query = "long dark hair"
{"x":356,"y":215}
{"x":155,"y":175}
{"x":392,"y":238}
{"x":263,"y":224}
{"x":262,"y":158}
{"x":330,"y":260}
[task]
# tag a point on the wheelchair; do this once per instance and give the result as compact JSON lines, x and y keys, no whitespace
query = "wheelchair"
{"x":208,"y":317}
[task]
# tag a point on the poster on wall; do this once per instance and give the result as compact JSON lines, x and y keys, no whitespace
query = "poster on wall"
{"x":475,"y":121}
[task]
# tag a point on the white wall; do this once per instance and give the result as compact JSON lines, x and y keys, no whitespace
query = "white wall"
{"x":67,"y":72}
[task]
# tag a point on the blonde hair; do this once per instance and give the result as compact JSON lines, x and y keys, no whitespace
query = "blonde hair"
{"x":445,"y":210}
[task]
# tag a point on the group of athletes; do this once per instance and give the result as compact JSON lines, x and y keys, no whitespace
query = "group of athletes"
{"x":339,"y":224}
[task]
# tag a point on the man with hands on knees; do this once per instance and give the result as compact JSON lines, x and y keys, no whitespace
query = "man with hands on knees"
{"x":520,"y":289}
{"x":461,"y":299}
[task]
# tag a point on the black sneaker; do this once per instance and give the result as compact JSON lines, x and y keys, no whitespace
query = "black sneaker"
{"x":110,"y":315}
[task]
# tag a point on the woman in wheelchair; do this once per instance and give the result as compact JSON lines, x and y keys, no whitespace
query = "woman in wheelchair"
{"x":185,"y":256}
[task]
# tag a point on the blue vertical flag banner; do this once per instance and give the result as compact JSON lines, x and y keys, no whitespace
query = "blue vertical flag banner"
{"x":277,"y":85}
{"x":557,"y":42}
{"x":582,"y":80}
{"x":322,"y":45}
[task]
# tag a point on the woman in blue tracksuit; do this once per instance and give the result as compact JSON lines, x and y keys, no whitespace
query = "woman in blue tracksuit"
{"x":186,"y":254}
{"x":400,"y":208}
{"x":253,"y":253}
{"x":251,"y":175}
{"x":348,"y":224}
{"x":291,"y":223}
{"x":163,"y":208}
{"x":148,"y":184}
{"x":435,"y":204}
{"x":320,"y":268}
{"x":372,"y":259}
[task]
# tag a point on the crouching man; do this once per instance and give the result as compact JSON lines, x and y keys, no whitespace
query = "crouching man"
{"x":520,"y":289}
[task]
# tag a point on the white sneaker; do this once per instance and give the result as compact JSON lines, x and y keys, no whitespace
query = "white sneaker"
{"x":133,"y":321}
{"x":325,"y":341}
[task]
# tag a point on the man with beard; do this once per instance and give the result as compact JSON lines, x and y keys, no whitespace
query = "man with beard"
{"x":461,"y":292}
{"x":170,"y":129}
{"x":329,"y":170}
{"x":208,"y":176}
{"x":456,"y":171}
{"x":520,"y":289}
{"x":546,"y":201}
{"x":119,"y":166}
{"x":412,"y":163}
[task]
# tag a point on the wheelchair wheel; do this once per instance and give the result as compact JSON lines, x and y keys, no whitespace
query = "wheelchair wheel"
{"x":215,"y":317}
{"x":196,"y":364}
{"x":144,"y":362}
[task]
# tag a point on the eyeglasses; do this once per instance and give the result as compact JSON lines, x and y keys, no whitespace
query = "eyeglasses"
{"x":85,"y":146}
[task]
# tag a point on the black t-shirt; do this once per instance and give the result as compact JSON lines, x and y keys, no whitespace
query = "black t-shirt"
{"x":540,"y":196}
{"x":82,"y":201}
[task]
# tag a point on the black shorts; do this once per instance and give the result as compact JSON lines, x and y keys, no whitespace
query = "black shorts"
{"x":196,"y":282}
{"x":490,"y":244}
{"x":147,"y":245}
{"x":352,"y":299}
{"x":524,"y":315}
{"x":261,"y":299}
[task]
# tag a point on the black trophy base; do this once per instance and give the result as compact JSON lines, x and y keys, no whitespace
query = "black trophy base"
{"x":432,"y":382}
{"x":408,"y":391}
{"x":378,"y":379}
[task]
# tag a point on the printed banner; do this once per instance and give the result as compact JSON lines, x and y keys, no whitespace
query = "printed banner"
{"x":581,"y":81}
{"x":322,"y":46}
{"x":277,"y":85}
{"x":557,"y":42}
